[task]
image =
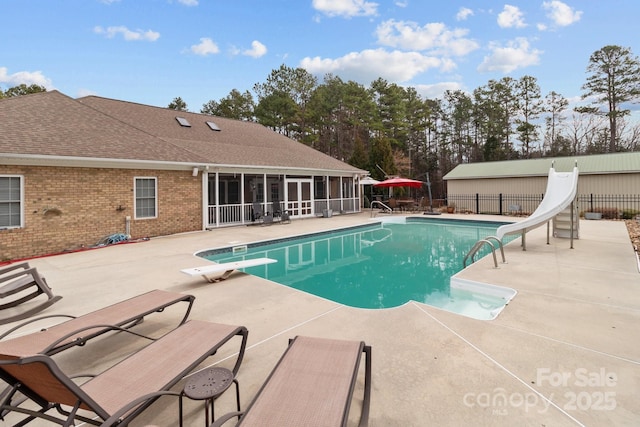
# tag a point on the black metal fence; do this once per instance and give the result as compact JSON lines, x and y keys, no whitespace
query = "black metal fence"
{"x":615,"y":206}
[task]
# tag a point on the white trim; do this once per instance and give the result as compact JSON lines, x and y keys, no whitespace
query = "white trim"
{"x":22,"y":219}
{"x":111,"y":163}
{"x":135,"y":206}
{"x":204,"y":199}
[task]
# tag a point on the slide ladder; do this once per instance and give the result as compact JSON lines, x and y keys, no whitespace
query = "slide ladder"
{"x":563,"y":224}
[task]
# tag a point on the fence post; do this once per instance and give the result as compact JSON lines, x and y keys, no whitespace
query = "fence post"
{"x":500,"y":201}
{"x":591,"y":203}
{"x":477,"y":203}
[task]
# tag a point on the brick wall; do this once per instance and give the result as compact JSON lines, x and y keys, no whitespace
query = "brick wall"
{"x":70,"y":208}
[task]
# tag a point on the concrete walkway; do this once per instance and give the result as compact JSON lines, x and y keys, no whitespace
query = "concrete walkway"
{"x":565,"y":352}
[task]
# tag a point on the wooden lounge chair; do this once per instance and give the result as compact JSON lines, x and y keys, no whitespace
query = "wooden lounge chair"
{"x":16,"y":278}
{"x":78,"y":330}
{"x":225,"y":268}
{"x":120,"y":393}
{"x":312,"y":385}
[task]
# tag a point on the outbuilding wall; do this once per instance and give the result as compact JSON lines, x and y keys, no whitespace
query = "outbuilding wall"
{"x":606,"y":189}
{"x":67,"y":209}
{"x":627,"y":183}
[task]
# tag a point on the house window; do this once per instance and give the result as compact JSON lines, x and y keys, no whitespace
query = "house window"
{"x":320,"y":187}
{"x":229,"y":190}
{"x":146,"y":199}
{"x":11,"y":203}
{"x":275,"y":191}
{"x":260,"y":192}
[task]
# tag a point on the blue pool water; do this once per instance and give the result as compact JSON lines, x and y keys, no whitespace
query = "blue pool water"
{"x":381,"y":265}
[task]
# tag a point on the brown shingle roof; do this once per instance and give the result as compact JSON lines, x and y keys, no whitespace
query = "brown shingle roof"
{"x":53,"y":124}
{"x":237,"y":142}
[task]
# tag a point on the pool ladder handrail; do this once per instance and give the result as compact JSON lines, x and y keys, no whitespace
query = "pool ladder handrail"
{"x":382,"y":206}
{"x":476,"y":247}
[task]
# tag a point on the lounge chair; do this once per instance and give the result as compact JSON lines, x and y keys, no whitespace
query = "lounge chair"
{"x":258,"y":213}
{"x":78,"y":330}
{"x":312,"y":385}
{"x":267,"y":219}
{"x":276,"y":209}
{"x":16,"y":278}
{"x":285,"y":218}
{"x":225,"y":268}
{"x":120,"y":393}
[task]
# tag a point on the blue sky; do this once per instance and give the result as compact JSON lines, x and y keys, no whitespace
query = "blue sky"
{"x":151,"y":51}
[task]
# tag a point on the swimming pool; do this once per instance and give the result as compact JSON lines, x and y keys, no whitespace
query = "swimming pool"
{"x":381,"y":265}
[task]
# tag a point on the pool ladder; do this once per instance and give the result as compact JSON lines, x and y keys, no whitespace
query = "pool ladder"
{"x":478,"y":245}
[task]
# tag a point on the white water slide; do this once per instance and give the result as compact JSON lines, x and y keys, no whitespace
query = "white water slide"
{"x":561,"y":191}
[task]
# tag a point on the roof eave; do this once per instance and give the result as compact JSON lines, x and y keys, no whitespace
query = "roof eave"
{"x":69,"y":161}
{"x":93,"y":162}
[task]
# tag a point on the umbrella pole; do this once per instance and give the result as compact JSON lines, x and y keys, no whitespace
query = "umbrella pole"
{"x":431,"y":212}
{"x":429,"y":189}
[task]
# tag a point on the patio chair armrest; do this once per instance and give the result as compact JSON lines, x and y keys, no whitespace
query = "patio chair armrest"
{"x":11,"y":267}
{"x":80,"y":341}
{"x":366,"y":400}
{"x":33,"y":320}
{"x":117,"y":417}
{"x":224,"y":418}
{"x":26,"y":272}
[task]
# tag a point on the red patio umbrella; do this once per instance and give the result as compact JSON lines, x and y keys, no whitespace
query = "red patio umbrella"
{"x":399,"y":182}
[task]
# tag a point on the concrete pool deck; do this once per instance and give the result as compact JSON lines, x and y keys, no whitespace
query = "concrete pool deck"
{"x":564,"y":352}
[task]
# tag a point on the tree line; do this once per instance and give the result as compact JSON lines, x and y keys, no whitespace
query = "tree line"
{"x":390,"y":129}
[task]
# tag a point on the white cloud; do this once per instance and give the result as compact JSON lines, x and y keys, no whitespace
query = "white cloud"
{"x":188,"y":2}
{"x":436,"y":90}
{"x":85,"y":92}
{"x":205,"y":47}
{"x":433,"y":36}
{"x":463,"y":14}
{"x":511,"y":16}
{"x":346,"y":8}
{"x":127,"y":34}
{"x":402,"y":4}
{"x":257,"y":50}
{"x":25,"y":77}
{"x":561,"y":14}
{"x":368,"y":65}
{"x":516,"y":54}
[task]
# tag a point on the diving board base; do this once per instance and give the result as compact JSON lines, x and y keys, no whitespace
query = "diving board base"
{"x":225,"y":268}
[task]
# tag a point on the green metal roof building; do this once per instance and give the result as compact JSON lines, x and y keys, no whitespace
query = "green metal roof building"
{"x":606,"y":177}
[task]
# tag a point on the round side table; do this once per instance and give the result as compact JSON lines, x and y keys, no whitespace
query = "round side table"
{"x":208,"y":385}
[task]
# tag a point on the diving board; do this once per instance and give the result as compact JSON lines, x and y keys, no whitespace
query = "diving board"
{"x":225,"y":268}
